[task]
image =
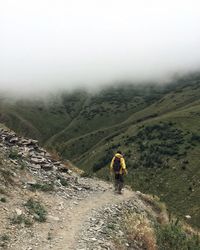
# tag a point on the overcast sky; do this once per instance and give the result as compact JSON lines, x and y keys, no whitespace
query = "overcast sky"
{"x":55,"y":44}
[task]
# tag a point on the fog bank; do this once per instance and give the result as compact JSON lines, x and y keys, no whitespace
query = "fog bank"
{"x":52,"y":45}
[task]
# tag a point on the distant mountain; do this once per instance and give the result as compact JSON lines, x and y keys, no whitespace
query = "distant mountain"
{"x":157,"y":127}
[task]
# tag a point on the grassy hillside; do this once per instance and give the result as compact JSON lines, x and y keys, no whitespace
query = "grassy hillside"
{"x":162,"y":152}
{"x":158,"y":129}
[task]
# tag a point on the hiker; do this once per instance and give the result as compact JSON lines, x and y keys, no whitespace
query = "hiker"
{"x":118,"y":167}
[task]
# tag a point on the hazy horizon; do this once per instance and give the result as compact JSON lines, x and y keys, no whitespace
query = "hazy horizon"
{"x":50,"y":45}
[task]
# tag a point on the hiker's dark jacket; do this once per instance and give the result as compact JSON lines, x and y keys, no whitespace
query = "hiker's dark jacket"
{"x":122,"y":164}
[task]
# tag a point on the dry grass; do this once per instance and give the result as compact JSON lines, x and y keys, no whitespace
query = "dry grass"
{"x":189,"y":230}
{"x":73,"y":167}
{"x":153,"y":201}
{"x":54,"y":154}
{"x":157,"y":206}
{"x":67,"y":163}
{"x":6,"y":175}
{"x":137,"y":228}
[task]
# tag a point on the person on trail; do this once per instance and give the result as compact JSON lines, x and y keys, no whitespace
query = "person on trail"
{"x":118,"y":167}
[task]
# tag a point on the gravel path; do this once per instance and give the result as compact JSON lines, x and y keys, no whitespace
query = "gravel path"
{"x":80,"y":214}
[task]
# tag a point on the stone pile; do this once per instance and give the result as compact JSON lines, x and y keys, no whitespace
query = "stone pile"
{"x":30,"y":151}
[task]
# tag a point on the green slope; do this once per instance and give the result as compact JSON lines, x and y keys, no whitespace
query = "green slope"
{"x":43,"y":118}
{"x":101,"y":114}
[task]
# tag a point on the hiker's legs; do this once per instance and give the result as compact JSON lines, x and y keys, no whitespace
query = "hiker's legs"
{"x":117,"y":176}
{"x":121,"y":183}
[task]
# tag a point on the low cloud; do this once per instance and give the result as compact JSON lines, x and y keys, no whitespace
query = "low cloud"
{"x":51,"y":45}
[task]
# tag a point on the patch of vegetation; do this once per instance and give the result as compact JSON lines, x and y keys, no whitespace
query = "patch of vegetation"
{"x":3,"y":199}
{"x":195,"y":138}
{"x":63,"y":181}
{"x":156,"y":143}
{"x":13,"y":154}
{"x":37,"y":210}
{"x":172,"y":236}
{"x":21,"y":219}
{"x":45,"y":187}
{"x":4,"y":240}
{"x":23,"y":165}
{"x":111,"y":226}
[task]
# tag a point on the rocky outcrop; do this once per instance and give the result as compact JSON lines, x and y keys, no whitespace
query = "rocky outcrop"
{"x":29,"y":151}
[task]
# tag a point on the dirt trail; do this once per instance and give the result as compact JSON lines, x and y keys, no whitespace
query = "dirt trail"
{"x":77,"y":215}
{"x":69,"y":218}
